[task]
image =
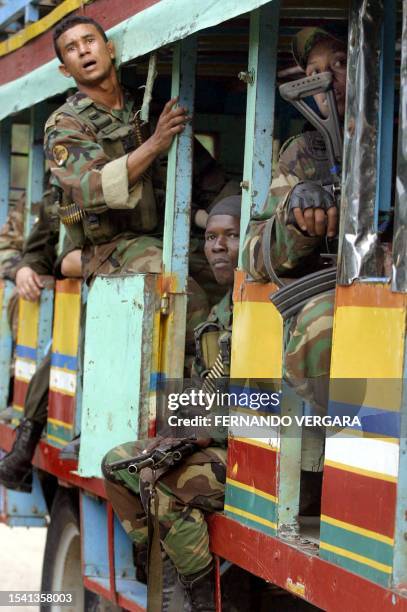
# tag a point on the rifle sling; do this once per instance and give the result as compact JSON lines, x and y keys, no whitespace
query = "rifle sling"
{"x":155,"y":563}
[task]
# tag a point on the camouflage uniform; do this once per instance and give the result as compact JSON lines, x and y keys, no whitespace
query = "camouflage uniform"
{"x":293,"y":254}
{"x":11,"y":240}
{"x":118,"y":227}
{"x":184,"y":493}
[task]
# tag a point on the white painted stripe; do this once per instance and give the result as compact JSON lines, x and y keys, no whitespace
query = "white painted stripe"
{"x":24,"y":369}
{"x":62,"y":381}
{"x":369,"y":454}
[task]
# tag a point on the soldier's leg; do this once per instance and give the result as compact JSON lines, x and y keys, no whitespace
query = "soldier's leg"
{"x":307,"y":366}
{"x":308,"y":351}
{"x":15,"y":467}
{"x":184,"y":495}
{"x":123,"y":492}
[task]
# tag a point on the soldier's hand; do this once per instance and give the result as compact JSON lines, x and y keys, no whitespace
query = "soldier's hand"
{"x":172,"y":121}
{"x":312,"y":208}
{"x":28,"y":284}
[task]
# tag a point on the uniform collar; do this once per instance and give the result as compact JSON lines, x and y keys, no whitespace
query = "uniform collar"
{"x":80,"y":101}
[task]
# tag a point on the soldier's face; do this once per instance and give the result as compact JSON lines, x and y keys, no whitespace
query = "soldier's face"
{"x":222,"y":247}
{"x":86,"y":56}
{"x":329,"y":56}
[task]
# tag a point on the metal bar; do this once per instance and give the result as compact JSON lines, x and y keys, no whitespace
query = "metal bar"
{"x":261,"y":78}
{"x":6,"y":289}
{"x":358,"y":232}
{"x":38,"y":114}
{"x":178,"y":207}
{"x":5,"y":160}
{"x":400,"y":541}
{"x":289,"y":466}
{"x":386,"y":110}
{"x":399,"y":282}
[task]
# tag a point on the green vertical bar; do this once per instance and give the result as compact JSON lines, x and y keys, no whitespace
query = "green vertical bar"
{"x":261,"y":77}
{"x":5,"y":159}
{"x":178,"y":208}
{"x":38,"y":116}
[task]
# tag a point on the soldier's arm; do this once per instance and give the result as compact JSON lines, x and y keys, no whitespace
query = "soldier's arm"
{"x":88,"y":177}
{"x":39,"y":250}
{"x":289,"y":248}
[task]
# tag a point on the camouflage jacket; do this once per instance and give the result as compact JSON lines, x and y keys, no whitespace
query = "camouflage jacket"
{"x":207,"y":335}
{"x":11,"y":240}
{"x":90,"y":165}
{"x":293,"y":253}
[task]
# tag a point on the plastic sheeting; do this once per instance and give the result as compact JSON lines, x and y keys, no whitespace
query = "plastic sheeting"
{"x":400,"y":227}
{"x":358,"y":238}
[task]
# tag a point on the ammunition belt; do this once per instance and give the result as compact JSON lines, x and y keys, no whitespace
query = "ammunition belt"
{"x":70,"y":214}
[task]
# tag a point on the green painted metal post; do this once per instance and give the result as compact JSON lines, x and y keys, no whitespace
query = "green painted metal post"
{"x":400,"y":537}
{"x":178,"y":207}
{"x":5,"y":159}
{"x":261,"y":85}
{"x":39,"y":115}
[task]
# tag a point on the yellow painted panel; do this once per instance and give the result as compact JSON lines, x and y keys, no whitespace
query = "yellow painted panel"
{"x":66,"y":323}
{"x":368,"y":342}
{"x":257,"y":341}
{"x":28,"y":319}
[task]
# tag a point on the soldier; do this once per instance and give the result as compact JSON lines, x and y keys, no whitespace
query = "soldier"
{"x":304,"y":215}
{"x":11,"y":240}
{"x":197,"y":486}
{"x":39,"y":263}
{"x":109,"y":169}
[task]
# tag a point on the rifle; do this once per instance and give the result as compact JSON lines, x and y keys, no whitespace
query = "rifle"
{"x":290,"y":299}
{"x":166,"y":455}
{"x":329,"y":127}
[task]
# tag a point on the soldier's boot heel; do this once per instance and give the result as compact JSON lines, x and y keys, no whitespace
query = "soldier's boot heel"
{"x":174,"y":597}
{"x":201,"y":589}
{"x":15,"y":467}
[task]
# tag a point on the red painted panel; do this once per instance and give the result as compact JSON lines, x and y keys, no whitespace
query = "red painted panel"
{"x":69,"y":285}
{"x":360,"y":500}
{"x":41,"y":50}
{"x":252,"y":465}
{"x":20,"y":391}
{"x":324,"y":584}
{"x":373,"y":294}
{"x":61,"y":407}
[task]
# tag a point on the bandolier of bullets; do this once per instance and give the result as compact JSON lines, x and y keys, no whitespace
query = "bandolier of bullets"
{"x":70,"y":213}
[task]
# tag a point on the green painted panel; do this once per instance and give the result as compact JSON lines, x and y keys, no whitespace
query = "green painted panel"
{"x":119,"y":327}
{"x":250,"y":523}
{"x":250,"y":502}
{"x":359,"y":544}
{"x":357,"y":568}
{"x":148,"y":30}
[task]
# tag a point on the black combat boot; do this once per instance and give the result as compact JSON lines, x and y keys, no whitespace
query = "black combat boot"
{"x":200,"y":588}
{"x":15,"y":467}
{"x":174,"y":597}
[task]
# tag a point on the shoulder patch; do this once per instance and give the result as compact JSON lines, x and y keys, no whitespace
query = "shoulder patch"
{"x":60,"y":154}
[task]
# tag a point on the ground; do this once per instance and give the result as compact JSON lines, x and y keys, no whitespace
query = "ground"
{"x":21,"y":553}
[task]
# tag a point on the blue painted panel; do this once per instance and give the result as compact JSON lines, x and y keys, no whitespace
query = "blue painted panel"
{"x":5,"y":346}
{"x":261,"y":71}
{"x":24,"y":509}
{"x":95,"y":551}
{"x":45,"y":323}
{"x":386,"y":110}
{"x":126,"y":582}
{"x":14,"y":9}
{"x":179,"y":173}
{"x":5,"y":160}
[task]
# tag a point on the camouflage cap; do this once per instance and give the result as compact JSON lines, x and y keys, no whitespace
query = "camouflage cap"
{"x":306,"y":38}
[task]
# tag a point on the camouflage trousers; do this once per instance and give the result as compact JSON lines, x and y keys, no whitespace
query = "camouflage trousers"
{"x":307,"y":360}
{"x":185,"y":494}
